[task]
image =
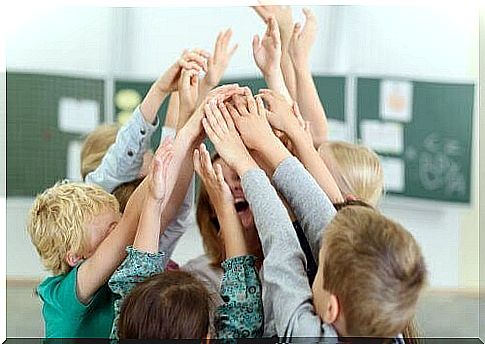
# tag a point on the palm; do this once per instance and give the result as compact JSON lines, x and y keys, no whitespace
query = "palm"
{"x":267,"y":55}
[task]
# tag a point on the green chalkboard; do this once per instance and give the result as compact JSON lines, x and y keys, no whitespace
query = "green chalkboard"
{"x":437,"y":138}
{"x":36,"y":146}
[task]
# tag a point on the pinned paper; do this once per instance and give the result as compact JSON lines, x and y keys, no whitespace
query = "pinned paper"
{"x":78,"y":116}
{"x":396,"y":100}
{"x":73,"y":171}
{"x":393,"y":174}
{"x":382,"y":137}
{"x":337,"y":130}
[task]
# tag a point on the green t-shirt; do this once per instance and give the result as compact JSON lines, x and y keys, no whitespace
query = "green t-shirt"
{"x":66,"y":317}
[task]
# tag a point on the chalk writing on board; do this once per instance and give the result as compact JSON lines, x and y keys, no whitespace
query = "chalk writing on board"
{"x":437,"y":167}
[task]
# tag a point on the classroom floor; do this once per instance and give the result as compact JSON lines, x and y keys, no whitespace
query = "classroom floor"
{"x":440,"y":314}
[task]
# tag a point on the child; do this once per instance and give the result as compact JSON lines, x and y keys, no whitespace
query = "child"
{"x":380,"y":255}
{"x":176,"y":305}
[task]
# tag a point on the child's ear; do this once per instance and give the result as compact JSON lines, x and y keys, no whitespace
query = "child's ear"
{"x":72,"y":259}
{"x":332,"y":311}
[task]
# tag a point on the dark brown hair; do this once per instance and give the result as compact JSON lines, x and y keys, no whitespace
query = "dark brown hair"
{"x":376,"y":270}
{"x":170,"y":305}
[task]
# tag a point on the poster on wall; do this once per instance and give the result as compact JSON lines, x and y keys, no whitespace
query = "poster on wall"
{"x":396,"y":98}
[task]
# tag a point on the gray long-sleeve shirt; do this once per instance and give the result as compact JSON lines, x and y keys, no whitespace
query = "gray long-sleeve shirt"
{"x":284,"y":264}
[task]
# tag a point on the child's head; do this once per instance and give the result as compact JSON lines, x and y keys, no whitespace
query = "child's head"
{"x":356,"y":169}
{"x":170,"y":305}
{"x":371,"y":272}
{"x":68,"y":221}
{"x":95,"y":147}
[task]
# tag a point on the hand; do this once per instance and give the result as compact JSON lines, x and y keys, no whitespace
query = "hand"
{"x":267,"y":52}
{"x":282,"y":14}
{"x":306,"y":125}
{"x":158,"y":177}
{"x":221,"y":131}
{"x":280,"y":115}
{"x":249,"y":115}
{"x":188,"y":91}
{"x":213,"y":179}
{"x":302,"y":40}
{"x":217,"y":63}
{"x":193,"y":128}
{"x":195,"y":59}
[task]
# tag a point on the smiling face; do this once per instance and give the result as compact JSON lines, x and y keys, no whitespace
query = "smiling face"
{"x":242,"y":206}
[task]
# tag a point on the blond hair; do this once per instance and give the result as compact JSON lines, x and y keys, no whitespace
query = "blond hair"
{"x":356,"y":169}
{"x":58,"y":217}
{"x":95,"y":147}
{"x":376,"y":270}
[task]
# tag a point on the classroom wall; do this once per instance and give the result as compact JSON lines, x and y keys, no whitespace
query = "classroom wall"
{"x":368,"y":40}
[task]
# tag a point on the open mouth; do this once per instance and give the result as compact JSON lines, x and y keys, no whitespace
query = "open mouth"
{"x":241,"y":205}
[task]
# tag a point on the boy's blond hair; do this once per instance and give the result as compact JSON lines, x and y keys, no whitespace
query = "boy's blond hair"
{"x":375,"y":269}
{"x":95,"y":147}
{"x":356,"y":169}
{"x":58,"y":218}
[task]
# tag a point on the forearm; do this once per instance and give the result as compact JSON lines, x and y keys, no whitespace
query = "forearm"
{"x":272,"y":154}
{"x":183,"y":146}
{"x":231,"y":228}
{"x":276,"y":82}
{"x":172,"y":116}
{"x":151,"y":103}
{"x":284,"y":262}
{"x":204,"y":88}
{"x":310,"y":104}
{"x":147,"y":235}
{"x":314,"y":164}
{"x":310,"y":204}
{"x":288,"y":73}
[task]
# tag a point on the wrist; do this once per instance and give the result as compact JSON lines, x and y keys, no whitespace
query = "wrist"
{"x":244,"y":165}
{"x":302,"y":67}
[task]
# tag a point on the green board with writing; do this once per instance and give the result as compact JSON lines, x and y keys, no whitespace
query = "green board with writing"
{"x":423,"y":134}
{"x":45,"y":116}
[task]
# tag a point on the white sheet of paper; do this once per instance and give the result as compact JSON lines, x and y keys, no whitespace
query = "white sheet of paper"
{"x":382,"y":137}
{"x":337,"y":130}
{"x":73,"y":170}
{"x":396,"y":100}
{"x":78,"y":116}
{"x":393,"y":174}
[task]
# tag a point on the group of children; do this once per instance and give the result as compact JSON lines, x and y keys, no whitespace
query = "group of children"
{"x":295,"y":246}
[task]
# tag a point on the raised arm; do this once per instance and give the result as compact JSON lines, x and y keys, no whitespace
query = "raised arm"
{"x":284,"y":263}
{"x":123,"y":160}
{"x":287,"y":118}
{"x":98,"y":268}
{"x":284,"y":19}
{"x":308,"y":99}
{"x":267,"y":55}
{"x":217,"y":63}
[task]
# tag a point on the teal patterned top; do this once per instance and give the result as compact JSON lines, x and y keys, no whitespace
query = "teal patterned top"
{"x":240,"y":316}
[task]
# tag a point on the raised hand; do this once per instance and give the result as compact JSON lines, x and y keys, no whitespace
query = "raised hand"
{"x":221,"y":131}
{"x":195,"y":59}
{"x":213,"y":179}
{"x":281,"y":115}
{"x":282,"y":14}
{"x":159,"y":184}
{"x":303,"y":39}
{"x":249,"y":115}
{"x":267,"y":51}
{"x":218,"y":62}
{"x":188,"y":85}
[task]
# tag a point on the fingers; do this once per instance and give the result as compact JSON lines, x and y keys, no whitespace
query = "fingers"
{"x":256,"y":44}
{"x":219,"y":174}
{"x":186,"y":78}
{"x":209,"y":131}
{"x":206,"y":163}
{"x":234,"y":113}
{"x":262,"y":12}
{"x":240,"y":106}
{"x":196,"y":59}
{"x":260,"y":105}
{"x":196,"y":159}
{"x":250,"y":100}
{"x":221,"y":122}
{"x":274,"y":32}
{"x":227,"y":116}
